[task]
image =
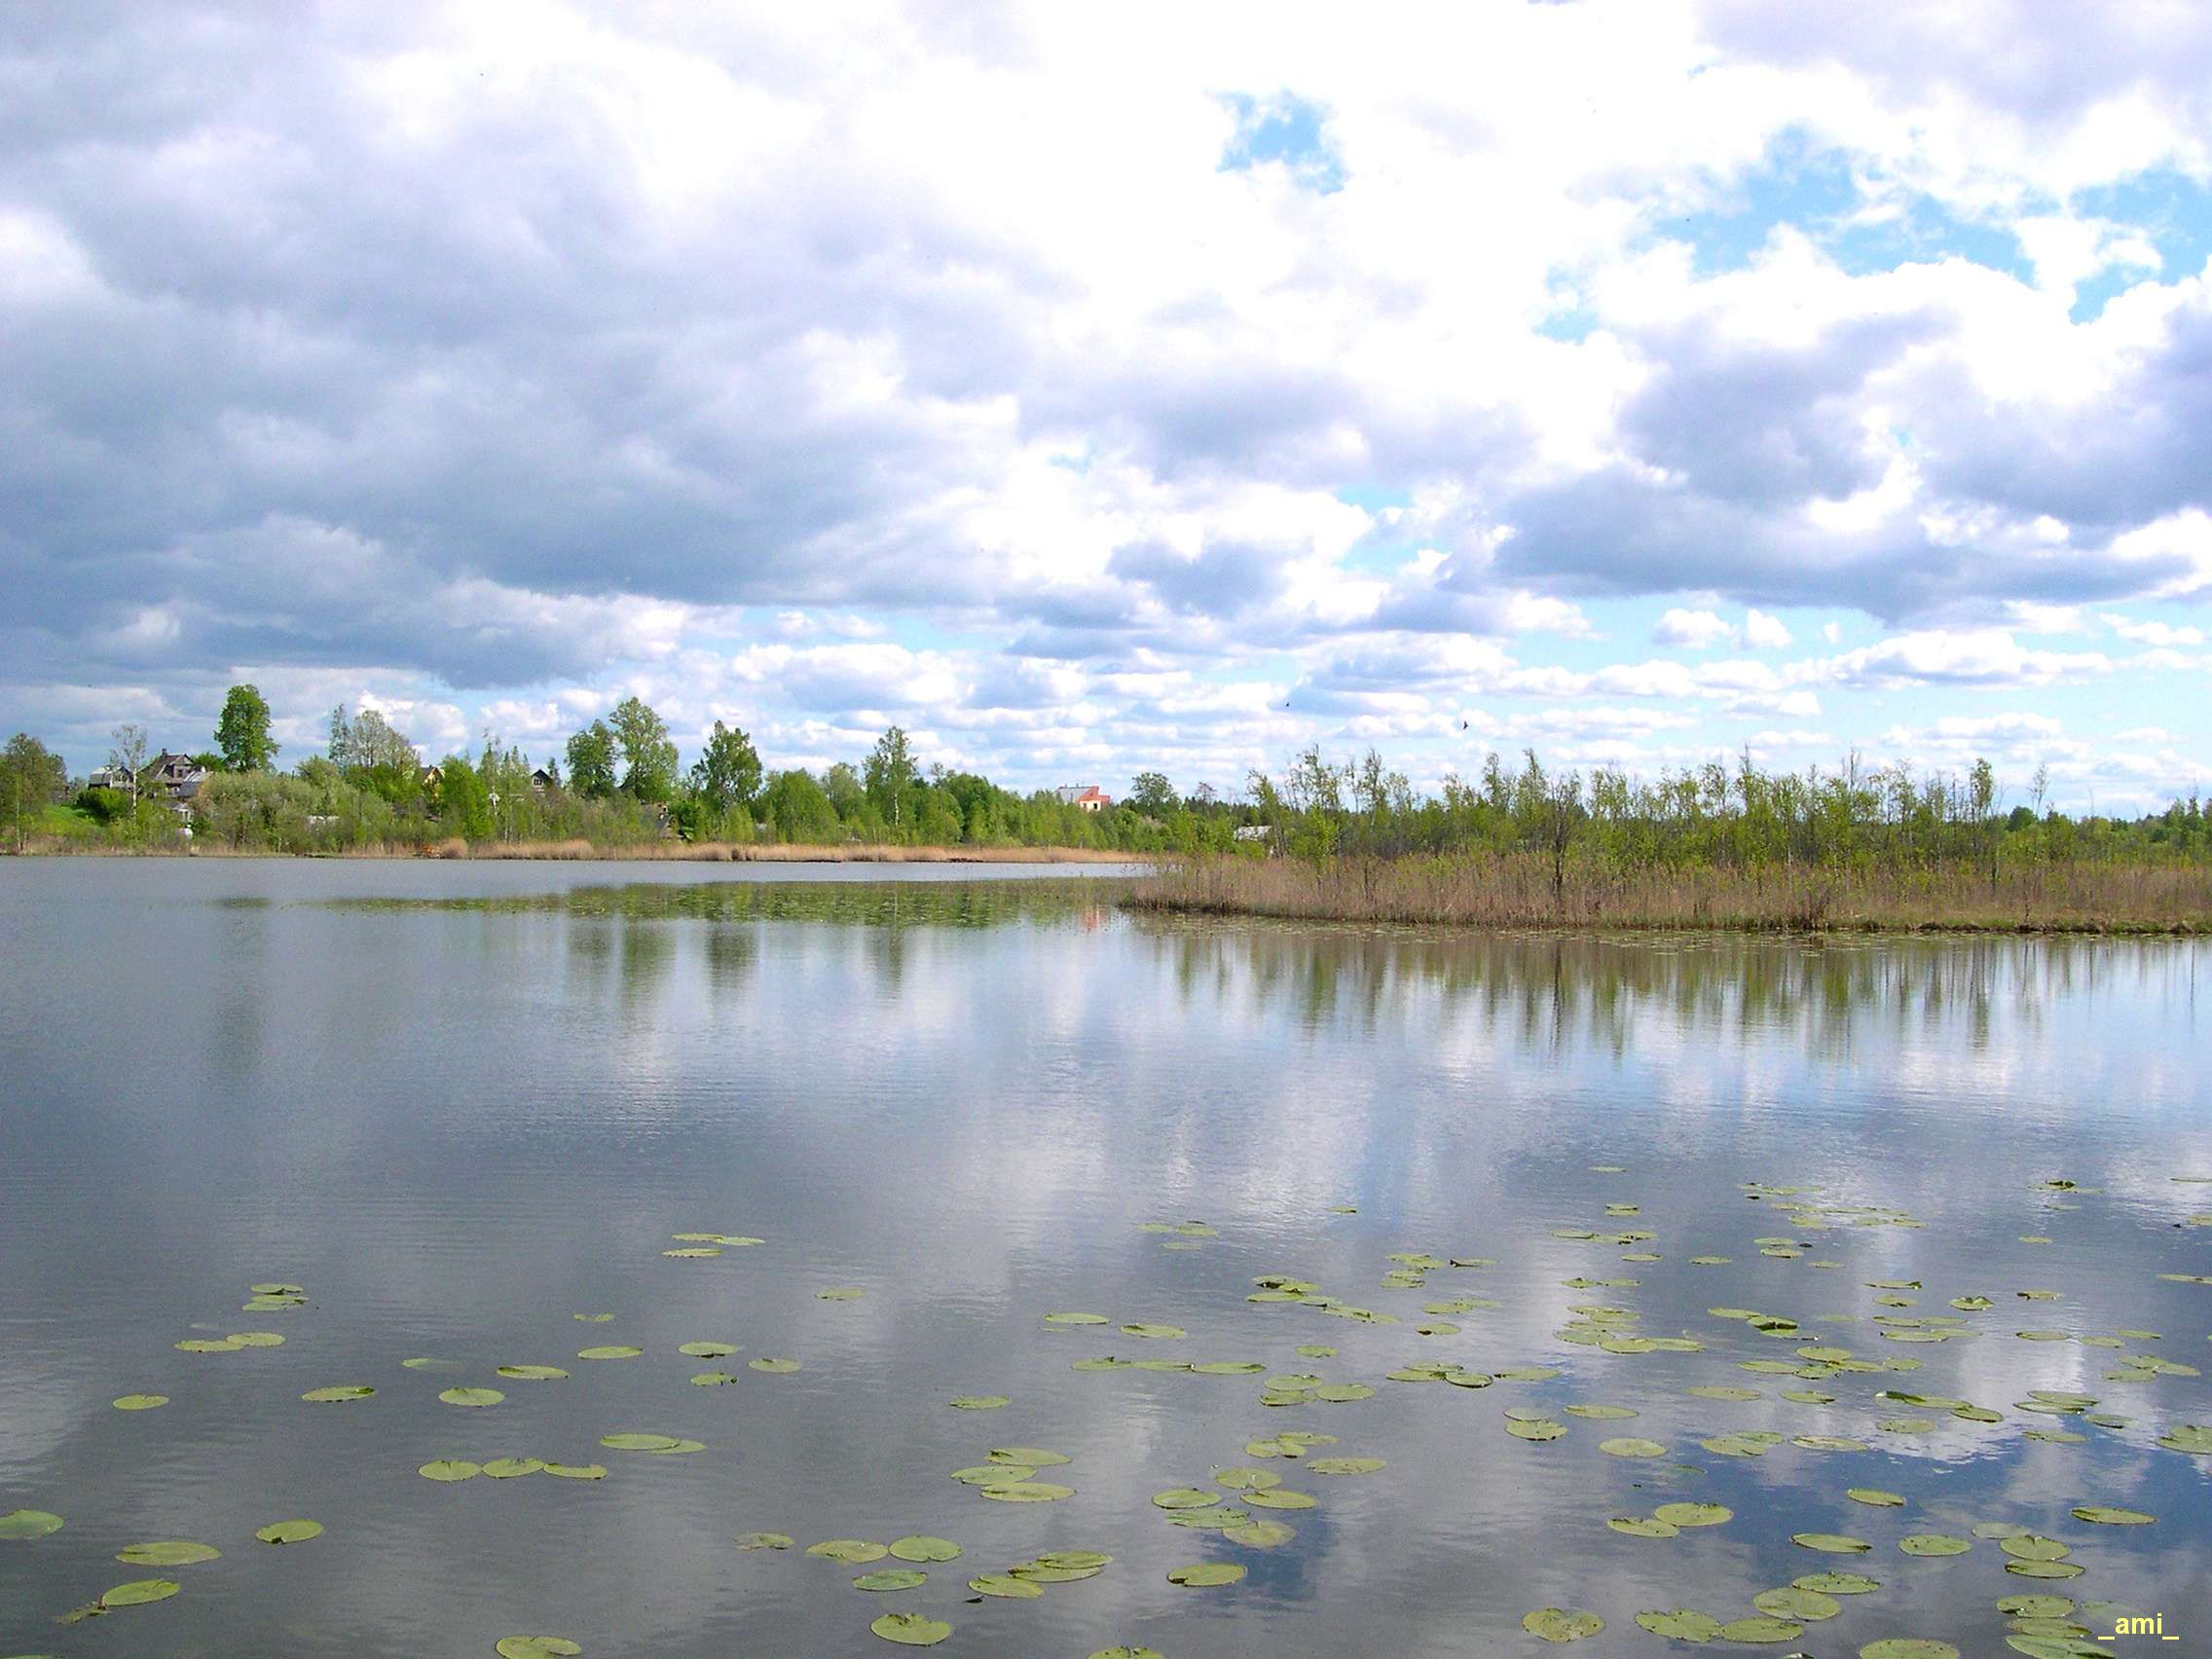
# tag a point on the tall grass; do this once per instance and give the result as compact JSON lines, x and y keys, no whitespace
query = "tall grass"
{"x":1518,"y":890}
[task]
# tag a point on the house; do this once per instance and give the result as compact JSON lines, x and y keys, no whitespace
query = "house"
{"x":1090,"y":797}
{"x":1253,"y":832}
{"x":542,"y":780}
{"x":180,"y":776}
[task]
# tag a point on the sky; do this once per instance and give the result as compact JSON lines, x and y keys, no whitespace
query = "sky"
{"x":1093,"y":389}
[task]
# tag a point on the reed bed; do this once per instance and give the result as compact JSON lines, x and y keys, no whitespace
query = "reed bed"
{"x":1517,"y":890}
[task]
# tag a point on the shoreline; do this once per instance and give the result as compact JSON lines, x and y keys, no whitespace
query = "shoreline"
{"x":646,"y":852}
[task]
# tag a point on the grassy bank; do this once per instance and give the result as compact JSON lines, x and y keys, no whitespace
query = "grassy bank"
{"x":1518,"y":890}
{"x":649,"y":852}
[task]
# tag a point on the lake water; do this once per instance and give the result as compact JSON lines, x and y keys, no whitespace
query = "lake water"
{"x":459,"y":1106}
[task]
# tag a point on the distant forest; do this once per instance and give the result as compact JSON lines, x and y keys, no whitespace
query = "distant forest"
{"x":617,"y":783}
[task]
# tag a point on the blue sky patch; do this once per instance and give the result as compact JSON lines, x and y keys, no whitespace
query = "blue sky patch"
{"x":1285,"y":129}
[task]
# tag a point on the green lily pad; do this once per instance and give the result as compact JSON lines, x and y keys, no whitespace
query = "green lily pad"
{"x":639,"y":1442}
{"x":1559,"y":1624}
{"x":1600,"y":1414}
{"x":169,"y":1552}
{"x":138,"y":1592}
{"x":1280,"y":1499}
{"x":1792,"y":1602}
{"x":1830,"y":1543}
{"x":1160,"y":1333}
{"x":1128,"y":1653}
{"x":856,"y":1552}
{"x":713,"y":1380}
{"x":1641,"y":1526}
{"x":450,"y":1469}
{"x":2030,"y":1546}
{"x":1839,"y":1583}
{"x":532,"y":1373}
{"x":1344,"y":1465}
{"x":331,"y":1396}
{"x":980,"y":1402}
{"x":1540,"y":1428}
{"x":513,"y":1469}
{"x":1912,"y":1647}
{"x":840,"y":1293}
{"x":577,"y":1471}
{"x":1683,"y":1624}
{"x":472,"y":1397}
{"x":290,"y":1531}
{"x":891,"y":1578}
{"x":920,"y":1546}
{"x":1076,"y":1319}
{"x":1761,"y":1630}
{"x":1005,"y":1586}
{"x":535,"y":1647}
{"x":1025,"y":1492}
{"x":1257,"y":1533}
{"x":2104,"y":1516}
{"x":1204,"y":1574}
{"x":254,"y":1339}
{"x":765,"y":1540}
{"x":773,"y":1366}
{"x":2192,"y":1438}
{"x":1630,"y":1446}
{"x":1028,"y":1456}
{"x":706,"y":1350}
{"x":1875,"y":1497}
{"x":141,"y":1402}
{"x":611,"y":1350}
{"x":1935,"y":1544}
{"x":1693,"y":1514}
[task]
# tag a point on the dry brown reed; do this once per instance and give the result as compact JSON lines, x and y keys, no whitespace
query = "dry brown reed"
{"x":1515,"y":890}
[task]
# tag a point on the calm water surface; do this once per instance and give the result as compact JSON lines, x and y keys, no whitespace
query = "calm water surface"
{"x":461,"y":1105}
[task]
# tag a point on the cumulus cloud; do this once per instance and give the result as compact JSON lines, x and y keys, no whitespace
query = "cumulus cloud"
{"x":1022,"y":376}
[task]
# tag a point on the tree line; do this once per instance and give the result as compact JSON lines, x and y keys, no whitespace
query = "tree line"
{"x":618,"y":781}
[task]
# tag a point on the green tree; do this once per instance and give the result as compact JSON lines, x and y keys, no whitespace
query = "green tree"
{"x":31,"y":779}
{"x":591,"y":761}
{"x":464,"y":804}
{"x":649,"y":756}
{"x":129,"y":756}
{"x":844,"y":789}
{"x":728,"y":772}
{"x":795,"y":808}
{"x":1152,"y":795}
{"x":890,"y":770}
{"x":242,"y":732}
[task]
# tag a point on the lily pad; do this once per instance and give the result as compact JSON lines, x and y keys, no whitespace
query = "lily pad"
{"x":290,"y":1531}
{"x":856,"y":1552}
{"x":1839,"y":1583}
{"x":472,"y":1397}
{"x":610,"y":1350}
{"x":1683,"y":1624}
{"x":513,"y":1469}
{"x":1344,"y":1465}
{"x":1204,"y":1574}
{"x":1763,"y":1628}
{"x":450,"y":1469}
{"x":1559,"y":1624}
{"x":639,"y":1442}
{"x":532,"y":1373}
{"x":980,"y":1402}
{"x":1875,"y":1497}
{"x":2105,"y":1516}
{"x":1005,"y":1586}
{"x":1792,"y":1602}
{"x":773,"y":1366}
{"x":1830,"y":1543}
{"x":1641,"y":1526}
{"x":1694,"y":1514}
{"x":577,"y":1471}
{"x":331,"y":1396}
{"x":535,"y":1647}
{"x":1630,"y":1446}
{"x":1911,"y":1647}
{"x":765,"y":1540}
{"x":1025,"y":1492}
{"x":891,"y":1578}
{"x":141,"y":1402}
{"x":169,"y":1552}
{"x":138,"y":1592}
{"x":920,"y":1546}
{"x":1028,"y":1456}
{"x":1257,"y":1533}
